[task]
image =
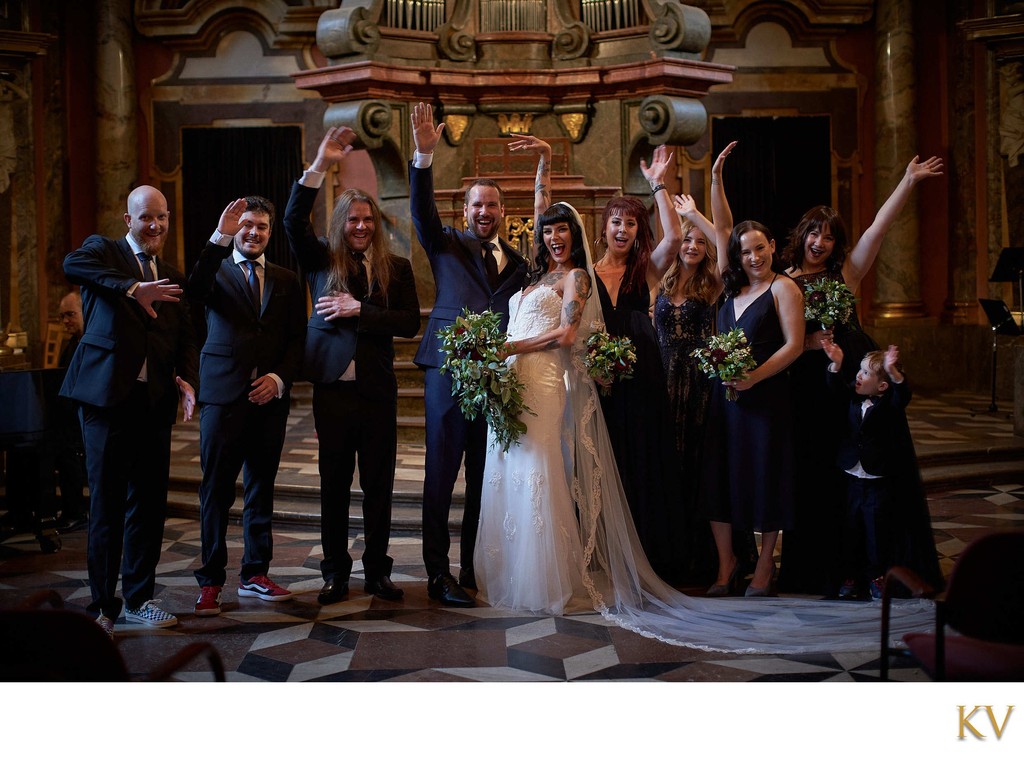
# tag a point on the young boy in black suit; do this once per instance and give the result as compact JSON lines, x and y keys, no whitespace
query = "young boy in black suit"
{"x":887,"y":519}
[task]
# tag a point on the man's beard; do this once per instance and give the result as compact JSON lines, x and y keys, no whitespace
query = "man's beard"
{"x":150,"y":248}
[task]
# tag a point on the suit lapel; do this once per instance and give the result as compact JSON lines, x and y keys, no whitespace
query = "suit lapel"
{"x":238,"y":280}
{"x":268,"y":284}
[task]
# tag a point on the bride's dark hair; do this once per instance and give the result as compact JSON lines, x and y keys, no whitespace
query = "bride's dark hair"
{"x":556,"y":213}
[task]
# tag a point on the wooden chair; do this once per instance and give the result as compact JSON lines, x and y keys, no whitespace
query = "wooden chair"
{"x":983,"y":608}
{"x":55,"y":644}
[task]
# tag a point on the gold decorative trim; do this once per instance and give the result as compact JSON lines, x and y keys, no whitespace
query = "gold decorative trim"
{"x":455,"y":127}
{"x":514,"y":124}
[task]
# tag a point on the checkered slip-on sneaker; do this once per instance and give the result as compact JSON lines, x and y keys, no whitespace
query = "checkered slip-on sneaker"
{"x":150,"y":614}
{"x":262,"y":587}
{"x":107,"y":625}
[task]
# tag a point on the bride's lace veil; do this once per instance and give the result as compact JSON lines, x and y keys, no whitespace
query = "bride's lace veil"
{"x":623,"y":587}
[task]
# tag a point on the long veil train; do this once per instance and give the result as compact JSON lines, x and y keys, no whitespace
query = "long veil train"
{"x":623,"y":587}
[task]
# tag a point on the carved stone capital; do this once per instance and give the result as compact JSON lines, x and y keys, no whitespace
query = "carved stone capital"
{"x":453,"y":41}
{"x":572,"y":42}
{"x":351,"y":30}
{"x":674,"y":120}
{"x":679,"y":27}
{"x":371,"y":120}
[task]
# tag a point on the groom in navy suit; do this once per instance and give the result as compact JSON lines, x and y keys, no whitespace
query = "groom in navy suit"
{"x":137,"y":354}
{"x":474,"y":269}
{"x":256,"y":326}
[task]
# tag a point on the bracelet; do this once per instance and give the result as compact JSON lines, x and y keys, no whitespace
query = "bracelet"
{"x":658,"y":187}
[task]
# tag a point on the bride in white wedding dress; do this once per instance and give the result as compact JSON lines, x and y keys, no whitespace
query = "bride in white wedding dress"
{"x":556,"y":535}
{"x":528,"y":552}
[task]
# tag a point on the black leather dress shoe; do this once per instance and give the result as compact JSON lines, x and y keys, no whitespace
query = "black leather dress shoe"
{"x":467,"y":579}
{"x":384,"y":588}
{"x":72,"y":523}
{"x":445,"y":589}
{"x":334,"y":590}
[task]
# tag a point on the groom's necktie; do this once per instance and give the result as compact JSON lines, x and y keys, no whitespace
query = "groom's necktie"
{"x":490,"y":264}
{"x":254,"y":285}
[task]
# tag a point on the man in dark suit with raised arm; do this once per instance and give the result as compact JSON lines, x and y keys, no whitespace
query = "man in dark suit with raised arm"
{"x":363,"y":297}
{"x":475,"y":269}
{"x":137,"y":354}
{"x":256,"y":325}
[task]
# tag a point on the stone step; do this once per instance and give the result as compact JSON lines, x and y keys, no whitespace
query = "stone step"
{"x":299,"y":505}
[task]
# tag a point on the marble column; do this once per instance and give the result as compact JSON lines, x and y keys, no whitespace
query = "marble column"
{"x":116,"y":139}
{"x":897,"y":283}
{"x":961,"y":289}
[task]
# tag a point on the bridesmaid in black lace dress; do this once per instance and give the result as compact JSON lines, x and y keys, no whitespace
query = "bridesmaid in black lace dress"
{"x":818,"y":249}
{"x":684,"y":316}
{"x":635,"y":409}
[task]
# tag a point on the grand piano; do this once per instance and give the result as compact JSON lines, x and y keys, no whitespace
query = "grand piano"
{"x":31,"y":416}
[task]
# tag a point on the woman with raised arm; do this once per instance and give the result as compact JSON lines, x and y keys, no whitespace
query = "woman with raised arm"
{"x":642,"y":435}
{"x":747,"y":479}
{"x":528,"y":554}
{"x":684,"y":317}
{"x":818,"y":249}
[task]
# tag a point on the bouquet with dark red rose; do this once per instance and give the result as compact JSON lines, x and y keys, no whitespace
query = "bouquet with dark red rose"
{"x":727,"y":357}
{"x":474,"y":348}
{"x":828,"y":302}
{"x":609,"y":359}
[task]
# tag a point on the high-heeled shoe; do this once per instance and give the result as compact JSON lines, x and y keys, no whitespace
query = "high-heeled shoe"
{"x":752,"y":591}
{"x":727,"y":588}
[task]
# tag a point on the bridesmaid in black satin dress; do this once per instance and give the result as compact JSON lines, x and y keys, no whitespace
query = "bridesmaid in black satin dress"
{"x":747,"y":479}
{"x":635,"y":409}
{"x":684,"y":317}
{"x":818,"y":248}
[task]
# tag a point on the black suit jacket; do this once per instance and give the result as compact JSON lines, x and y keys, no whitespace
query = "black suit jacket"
{"x":238,"y":339}
{"x":881,"y":441}
{"x":369,"y":337}
{"x":119,"y":335}
{"x":459,"y":277}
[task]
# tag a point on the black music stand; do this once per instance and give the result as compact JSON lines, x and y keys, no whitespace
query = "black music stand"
{"x":1001,"y":320}
{"x":1010,"y":269}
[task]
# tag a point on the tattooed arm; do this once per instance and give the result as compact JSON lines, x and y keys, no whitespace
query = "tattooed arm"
{"x":576,"y":288}
{"x":542,"y":188}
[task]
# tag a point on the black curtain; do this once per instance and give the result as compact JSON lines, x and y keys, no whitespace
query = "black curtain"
{"x":781,"y":168}
{"x":220,"y":164}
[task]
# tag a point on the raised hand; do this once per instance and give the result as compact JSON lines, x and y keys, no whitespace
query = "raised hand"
{"x":917,"y":171}
{"x":531,"y":143}
{"x":684,"y":204}
{"x":716,"y":168}
{"x":832,"y":350}
{"x":188,"y":398}
{"x":655,"y":173}
{"x":148,"y":292}
{"x":333,"y":148}
{"x":229,"y":223}
{"x":892,"y":359}
{"x":425,"y":134}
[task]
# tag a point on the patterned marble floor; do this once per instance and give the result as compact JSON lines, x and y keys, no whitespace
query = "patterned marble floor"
{"x":368,"y":640}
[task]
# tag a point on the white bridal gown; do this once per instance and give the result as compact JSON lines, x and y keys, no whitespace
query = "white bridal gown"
{"x":528,"y":554}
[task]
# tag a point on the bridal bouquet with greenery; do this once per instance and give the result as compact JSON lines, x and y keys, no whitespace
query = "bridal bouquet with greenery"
{"x":609,"y":359}
{"x":828,"y":301}
{"x":474,"y":348}
{"x":727,"y":357}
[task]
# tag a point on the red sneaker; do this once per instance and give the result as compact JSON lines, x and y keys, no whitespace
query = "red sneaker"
{"x":264,"y":588}
{"x":208,"y":603}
